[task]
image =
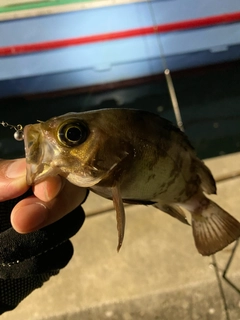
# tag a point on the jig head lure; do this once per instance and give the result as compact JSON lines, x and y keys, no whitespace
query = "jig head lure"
{"x":18,"y":134}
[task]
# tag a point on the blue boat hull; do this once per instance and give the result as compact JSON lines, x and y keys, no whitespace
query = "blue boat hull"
{"x":113,"y":60}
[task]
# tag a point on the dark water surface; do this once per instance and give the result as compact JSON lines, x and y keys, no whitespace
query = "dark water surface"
{"x":209,"y":100}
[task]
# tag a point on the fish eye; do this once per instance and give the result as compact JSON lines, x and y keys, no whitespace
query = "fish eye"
{"x":72,"y":133}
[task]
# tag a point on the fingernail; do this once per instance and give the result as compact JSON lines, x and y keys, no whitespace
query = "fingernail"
{"x":31,"y":217}
{"x":16,"y":169}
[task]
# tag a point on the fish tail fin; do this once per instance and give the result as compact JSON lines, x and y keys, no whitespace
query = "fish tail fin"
{"x":213,"y":228}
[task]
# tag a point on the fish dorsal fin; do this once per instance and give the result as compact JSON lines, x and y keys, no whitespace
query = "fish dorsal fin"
{"x":207,"y":181}
{"x":120,"y":213}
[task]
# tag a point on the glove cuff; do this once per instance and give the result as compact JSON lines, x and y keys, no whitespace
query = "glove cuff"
{"x":13,"y":291}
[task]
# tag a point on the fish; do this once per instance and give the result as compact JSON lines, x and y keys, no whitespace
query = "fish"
{"x":131,"y":156}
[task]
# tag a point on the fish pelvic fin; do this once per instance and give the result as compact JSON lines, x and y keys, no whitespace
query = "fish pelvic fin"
{"x":120,"y":214}
{"x":173,"y":210}
{"x":213,"y":228}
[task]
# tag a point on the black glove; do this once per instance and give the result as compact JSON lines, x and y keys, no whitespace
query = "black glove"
{"x":28,"y":260}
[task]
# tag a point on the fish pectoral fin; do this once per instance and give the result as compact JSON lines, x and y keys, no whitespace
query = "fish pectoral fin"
{"x":173,"y":210}
{"x":120,"y":214}
{"x":214,"y":229}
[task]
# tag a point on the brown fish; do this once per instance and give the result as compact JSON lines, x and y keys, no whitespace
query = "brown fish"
{"x":131,"y":156}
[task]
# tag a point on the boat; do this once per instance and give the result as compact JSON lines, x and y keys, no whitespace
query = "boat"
{"x":55,"y":46}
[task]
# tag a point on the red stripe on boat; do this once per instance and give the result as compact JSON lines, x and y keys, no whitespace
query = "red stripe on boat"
{"x":169,"y":27}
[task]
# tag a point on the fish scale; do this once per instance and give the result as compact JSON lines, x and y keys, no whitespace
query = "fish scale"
{"x":131,"y":156}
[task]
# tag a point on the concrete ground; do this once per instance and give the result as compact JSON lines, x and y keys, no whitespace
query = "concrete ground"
{"x":158,"y":273}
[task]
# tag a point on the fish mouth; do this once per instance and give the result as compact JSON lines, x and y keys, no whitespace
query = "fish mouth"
{"x":37,"y":159}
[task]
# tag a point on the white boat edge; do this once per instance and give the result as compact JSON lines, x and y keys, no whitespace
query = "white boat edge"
{"x":56,"y":9}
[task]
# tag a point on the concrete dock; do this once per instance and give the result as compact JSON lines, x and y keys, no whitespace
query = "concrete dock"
{"x":158,"y":273}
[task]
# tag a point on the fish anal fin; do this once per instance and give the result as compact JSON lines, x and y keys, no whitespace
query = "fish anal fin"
{"x":120,"y":214}
{"x":214,"y":229}
{"x":173,"y":210}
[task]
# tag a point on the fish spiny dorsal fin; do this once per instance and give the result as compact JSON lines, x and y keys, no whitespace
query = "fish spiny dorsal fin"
{"x":120,"y":214}
{"x":213,"y":228}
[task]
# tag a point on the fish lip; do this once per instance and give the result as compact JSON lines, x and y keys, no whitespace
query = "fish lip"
{"x":37,"y":166}
{"x":32,"y":153}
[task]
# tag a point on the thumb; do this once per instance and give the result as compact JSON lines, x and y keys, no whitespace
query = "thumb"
{"x":12,"y":178}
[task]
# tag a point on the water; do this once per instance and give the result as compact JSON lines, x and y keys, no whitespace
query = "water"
{"x":209,"y":100}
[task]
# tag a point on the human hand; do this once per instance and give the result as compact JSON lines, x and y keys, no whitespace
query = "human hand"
{"x":52,"y":199}
{"x":28,"y":260}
